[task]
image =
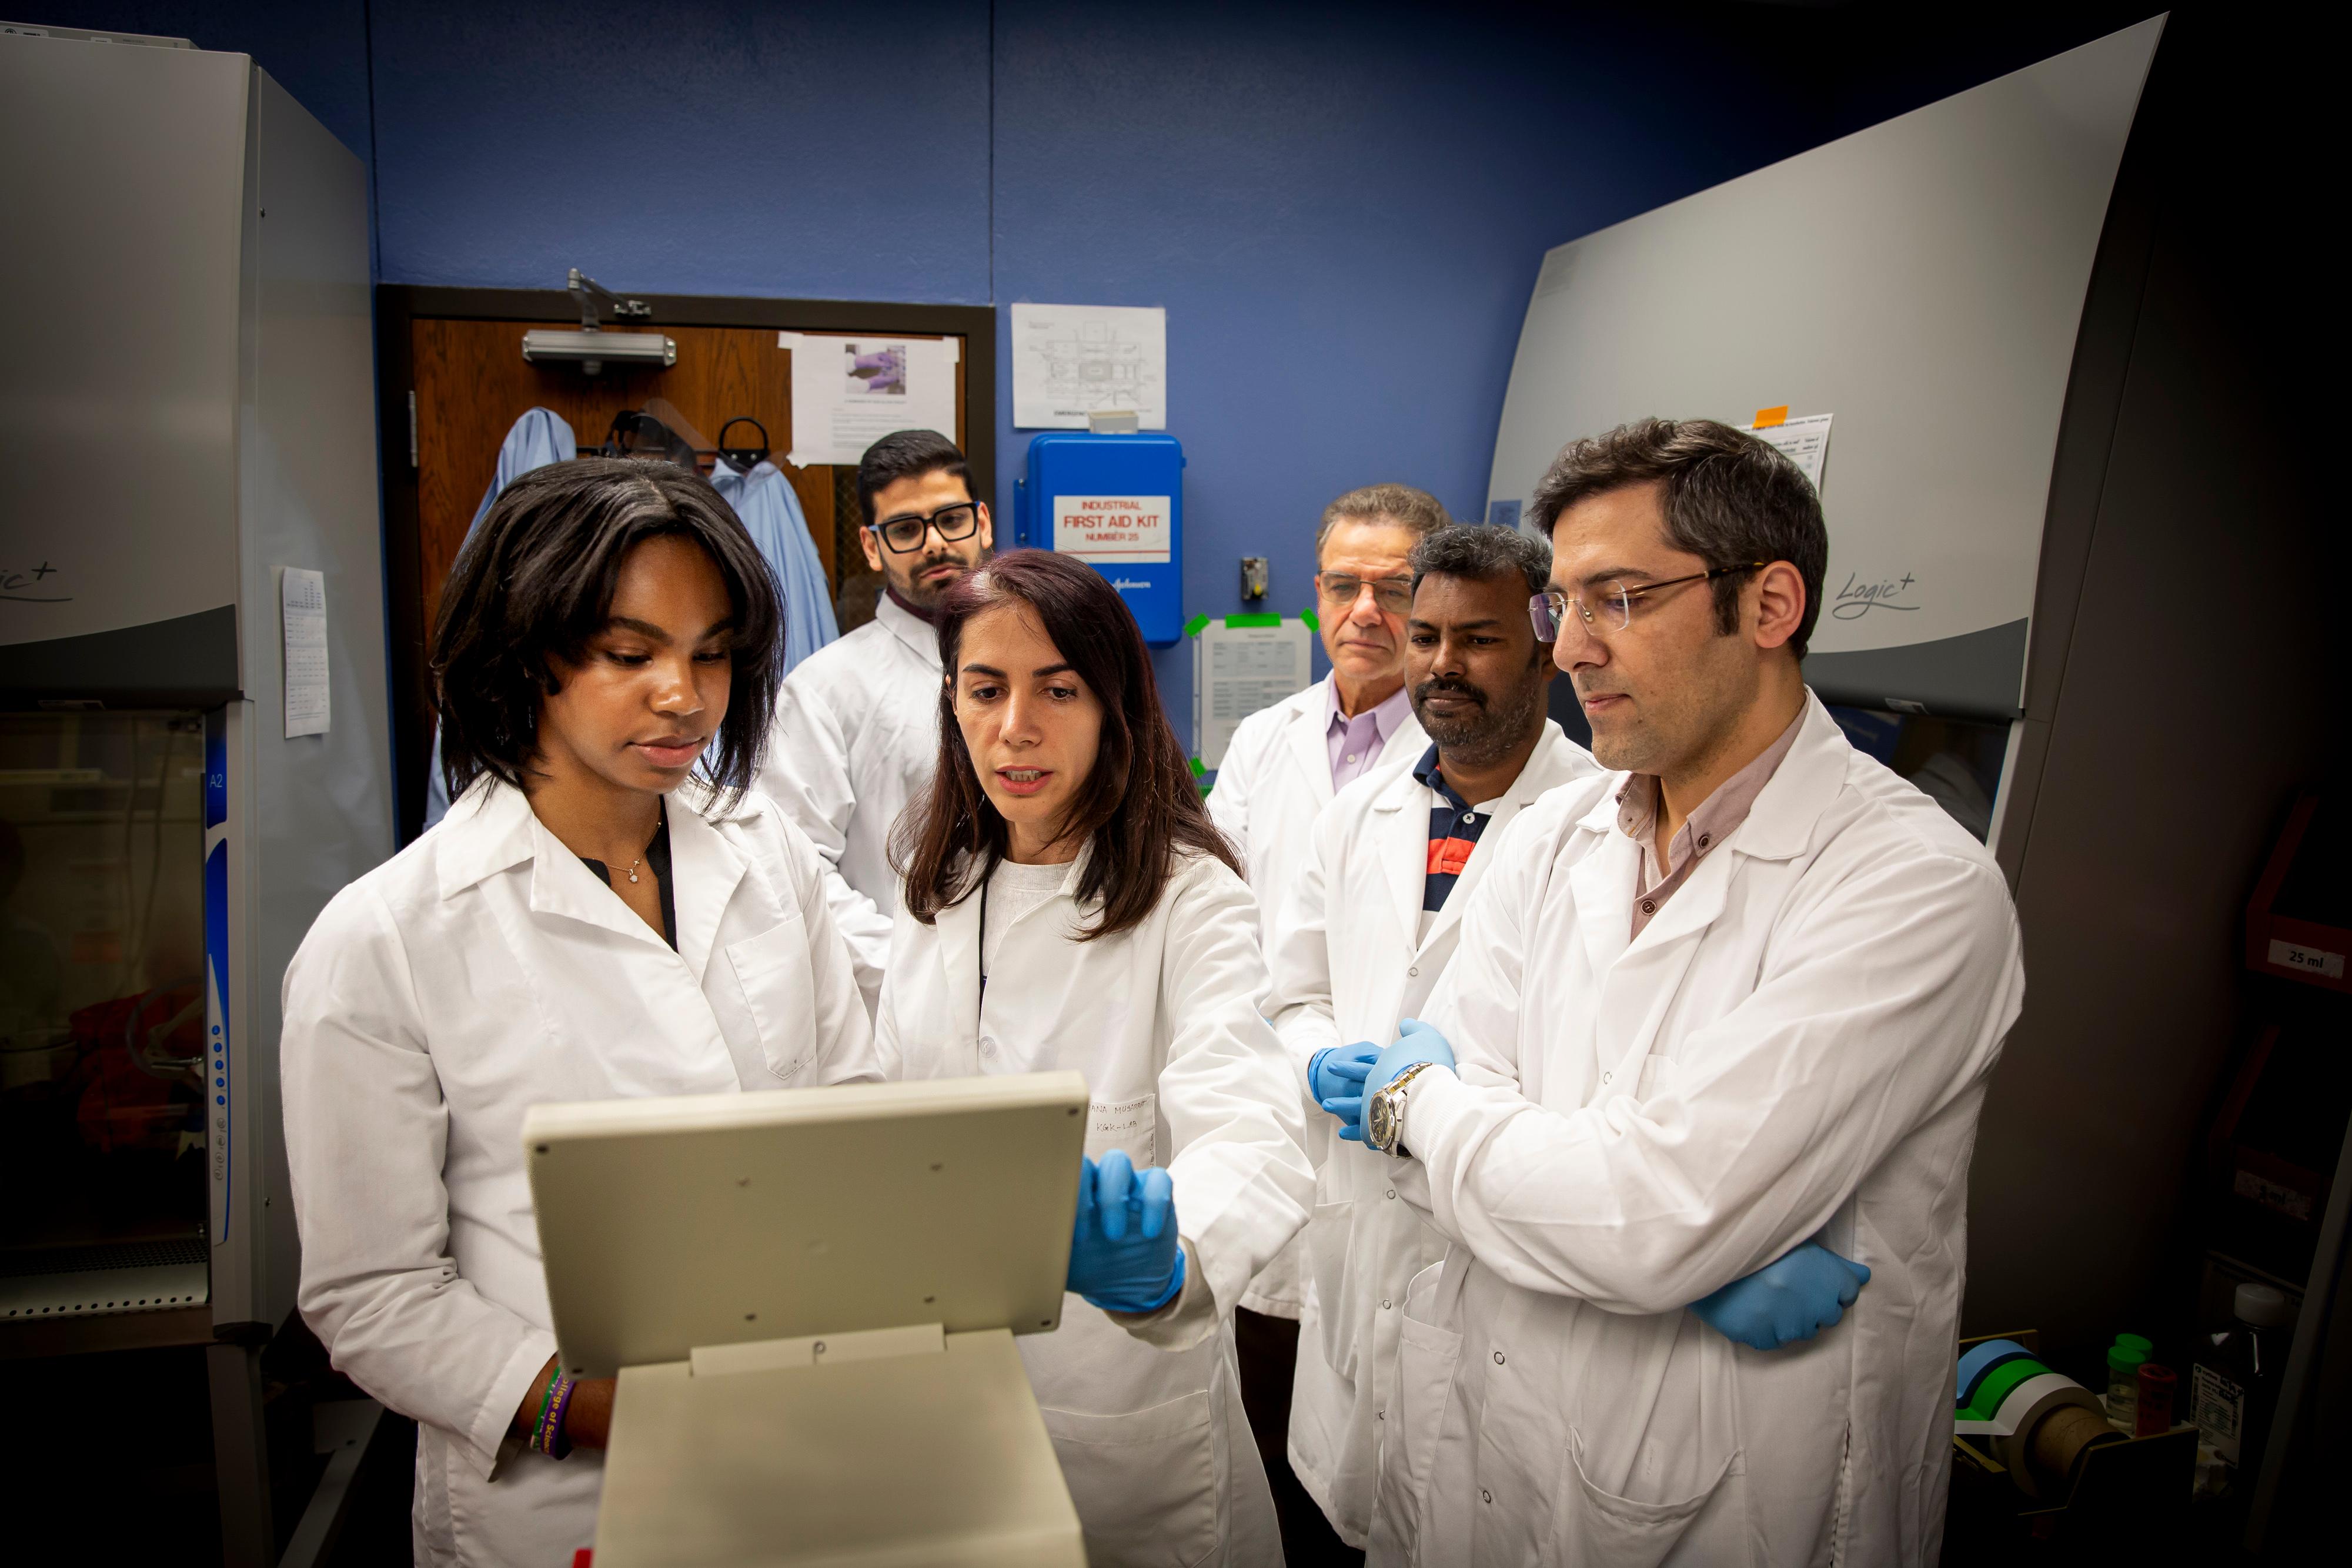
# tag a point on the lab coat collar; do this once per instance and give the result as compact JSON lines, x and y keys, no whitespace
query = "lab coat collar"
{"x":911,"y":630}
{"x":1780,"y":825}
{"x":488,"y":829}
{"x":1556,"y":760}
{"x":706,"y":869}
{"x":493,"y":829}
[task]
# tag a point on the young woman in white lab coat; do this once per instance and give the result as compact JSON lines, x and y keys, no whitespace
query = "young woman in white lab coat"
{"x":588,"y":921}
{"x":1068,"y":904}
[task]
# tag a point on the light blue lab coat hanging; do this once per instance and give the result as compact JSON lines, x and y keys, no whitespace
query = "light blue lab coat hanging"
{"x":771,"y":515}
{"x":539,"y":438}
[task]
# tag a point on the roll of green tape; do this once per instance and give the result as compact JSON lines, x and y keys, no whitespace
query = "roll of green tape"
{"x":1996,"y":1385}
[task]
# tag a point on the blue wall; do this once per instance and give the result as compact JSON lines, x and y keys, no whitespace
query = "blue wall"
{"x":1342,"y":207}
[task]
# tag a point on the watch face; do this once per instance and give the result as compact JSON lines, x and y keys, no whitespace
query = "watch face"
{"x":1382,"y":1121}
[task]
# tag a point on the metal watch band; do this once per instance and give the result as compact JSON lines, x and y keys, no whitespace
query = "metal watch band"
{"x":1392,"y":1092}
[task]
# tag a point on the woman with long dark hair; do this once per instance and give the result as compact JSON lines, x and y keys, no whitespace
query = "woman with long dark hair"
{"x":590,"y":921}
{"x":1068,"y":904}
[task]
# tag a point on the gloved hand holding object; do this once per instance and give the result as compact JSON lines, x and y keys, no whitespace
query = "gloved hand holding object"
{"x":1336,"y":1076}
{"x":1792,"y":1298}
{"x":1415,"y":1042}
{"x":1124,"y":1256}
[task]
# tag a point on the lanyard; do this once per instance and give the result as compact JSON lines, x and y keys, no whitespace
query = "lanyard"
{"x":983,"y":952}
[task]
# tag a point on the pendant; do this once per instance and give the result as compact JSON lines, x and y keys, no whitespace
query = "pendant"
{"x":632,"y":874}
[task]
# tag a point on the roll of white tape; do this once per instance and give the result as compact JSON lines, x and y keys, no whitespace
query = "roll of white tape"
{"x":2025,"y":1409}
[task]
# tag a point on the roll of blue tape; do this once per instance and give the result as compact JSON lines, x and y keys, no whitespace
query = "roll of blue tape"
{"x":1979,"y":1360}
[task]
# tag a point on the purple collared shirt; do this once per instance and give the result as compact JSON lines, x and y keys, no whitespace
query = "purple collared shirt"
{"x":1357,"y":743}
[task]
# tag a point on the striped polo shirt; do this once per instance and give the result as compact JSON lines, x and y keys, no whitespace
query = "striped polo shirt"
{"x":1453,"y":830}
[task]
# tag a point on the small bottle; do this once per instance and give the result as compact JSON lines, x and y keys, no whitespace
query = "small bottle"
{"x":2236,"y":1381}
{"x":2155,"y":1412}
{"x":2124,"y":1358}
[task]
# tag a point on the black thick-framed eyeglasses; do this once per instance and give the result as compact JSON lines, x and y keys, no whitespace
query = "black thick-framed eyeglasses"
{"x":905,"y":534}
{"x":1610,"y":607}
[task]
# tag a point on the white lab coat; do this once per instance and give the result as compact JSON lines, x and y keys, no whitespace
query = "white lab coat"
{"x":1274,"y":781}
{"x":857,"y":738}
{"x":480,"y":971}
{"x":1185,"y":1071}
{"x":1349,"y":964}
{"x":1796,"y":1045}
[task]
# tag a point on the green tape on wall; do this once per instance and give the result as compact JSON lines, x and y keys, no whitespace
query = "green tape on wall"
{"x":1237,"y":622}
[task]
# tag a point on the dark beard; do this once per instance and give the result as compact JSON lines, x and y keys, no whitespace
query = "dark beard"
{"x":1487,"y":735}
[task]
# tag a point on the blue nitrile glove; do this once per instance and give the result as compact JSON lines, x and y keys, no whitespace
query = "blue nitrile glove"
{"x":1415,"y":1042}
{"x":1793,"y":1298}
{"x":1123,"y":1251}
{"x":1336,"y":1075}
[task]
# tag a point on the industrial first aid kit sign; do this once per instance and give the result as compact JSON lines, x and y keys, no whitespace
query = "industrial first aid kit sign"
{"x":1129,"y":531}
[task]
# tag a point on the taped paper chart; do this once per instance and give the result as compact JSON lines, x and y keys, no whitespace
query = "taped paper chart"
{"x":1804,"y":441}
{"x":850,"y":392}
{"x":1242,"y":663}
{"x":1072,"y":360}
{"x":302,"y":610}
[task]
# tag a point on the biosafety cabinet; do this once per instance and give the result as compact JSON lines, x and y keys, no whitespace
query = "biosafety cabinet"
{"x":194,"y":751}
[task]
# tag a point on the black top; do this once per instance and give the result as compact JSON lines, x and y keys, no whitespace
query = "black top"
{"x":657,"y":862}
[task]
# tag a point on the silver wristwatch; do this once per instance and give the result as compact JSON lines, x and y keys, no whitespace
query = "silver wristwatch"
{"x":1384,"y":1117}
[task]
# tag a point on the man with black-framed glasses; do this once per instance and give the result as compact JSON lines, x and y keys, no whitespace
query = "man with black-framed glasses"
{"x":1733,"y":1002}
{"x":856,"y":733}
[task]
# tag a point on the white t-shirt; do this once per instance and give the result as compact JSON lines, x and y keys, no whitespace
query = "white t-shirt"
{"x":1013,"y":891}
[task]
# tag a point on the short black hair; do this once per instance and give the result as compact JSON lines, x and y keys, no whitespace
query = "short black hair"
{"x":907,"y":454}
{"x":1480,"y":552}
{"x":535,"y":582}
{"x":1730,"y":499}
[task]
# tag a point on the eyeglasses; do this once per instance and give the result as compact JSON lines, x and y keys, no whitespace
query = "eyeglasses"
{"x":905,"y":534}
{"x":1393,"y":594}
{"x":1611,"y":608}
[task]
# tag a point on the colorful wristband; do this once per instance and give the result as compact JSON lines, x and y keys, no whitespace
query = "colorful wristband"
{"x":559,"y":1441}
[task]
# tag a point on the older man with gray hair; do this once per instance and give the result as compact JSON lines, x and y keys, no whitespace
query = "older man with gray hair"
{"x":1284,"y":764}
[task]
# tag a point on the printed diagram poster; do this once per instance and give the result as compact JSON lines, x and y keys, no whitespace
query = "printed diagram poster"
{"x":849,"y":392}
{"x":1237,"y":670}
{"x":1071,"y":361}
{"x":1113,"y":530}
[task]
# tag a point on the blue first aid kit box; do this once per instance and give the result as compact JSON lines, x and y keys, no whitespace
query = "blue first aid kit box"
{"x":1116,"y":502}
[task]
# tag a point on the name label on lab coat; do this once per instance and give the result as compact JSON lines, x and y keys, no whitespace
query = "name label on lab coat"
{"x":1130,"y":530}
{"x":1129,"y":1125}
{"x":2310,"y":960}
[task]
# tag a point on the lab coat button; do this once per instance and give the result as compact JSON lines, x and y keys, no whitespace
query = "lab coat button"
{"x":1414,"y":973}
{"x":1384,"y":1304}
{"x":1498,"y":1358}
{"x":1392,"y":1192}
{"x":1605,"y":1077}
{"x":1485,"y":1496}
{"x":987,"y":1046}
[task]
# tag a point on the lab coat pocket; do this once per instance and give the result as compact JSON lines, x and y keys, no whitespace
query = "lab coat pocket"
{"x":1145,"y":1484}
{"x":1412,"y":1422}
{"x":1129,"y":1125}
{"x":1601,"y":1527}
{"x":779,"y":988}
